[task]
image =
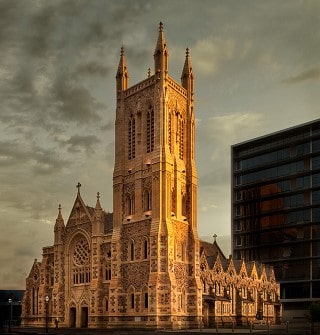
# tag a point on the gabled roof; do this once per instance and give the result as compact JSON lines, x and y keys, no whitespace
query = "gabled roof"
{"x":79,"y":211}
{"x":211,"y":249}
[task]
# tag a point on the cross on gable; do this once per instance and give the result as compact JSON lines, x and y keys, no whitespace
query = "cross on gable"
{"x":78,"y":187}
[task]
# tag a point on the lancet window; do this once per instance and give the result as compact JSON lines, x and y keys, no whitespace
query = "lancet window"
{"x":181,"y":139}
{"x":132,"y":250}
{"x":150,"y":130}
{"x":169,"y":131}
{"x":130,"y":204}
{"x":131,"y":137}
{"x":145,"y":247}
{"x":147,"y":199}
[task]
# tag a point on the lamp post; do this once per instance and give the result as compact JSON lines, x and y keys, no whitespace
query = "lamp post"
{"x":10,"y":319}
{"x":47,"y":302}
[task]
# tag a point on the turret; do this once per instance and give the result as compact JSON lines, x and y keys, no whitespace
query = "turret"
{"x":187,"y":75}
{"x":122,"y":76}
{"x":97,"y":228}
{"x":59,"y":228}
{"x":161,"y":54}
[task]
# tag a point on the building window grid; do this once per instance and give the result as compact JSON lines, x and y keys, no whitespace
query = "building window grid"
{"x":294,"y":181}
{"x":283,"y":141}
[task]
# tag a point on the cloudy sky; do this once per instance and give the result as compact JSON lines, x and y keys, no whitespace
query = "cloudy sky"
{"x":257,"y":70}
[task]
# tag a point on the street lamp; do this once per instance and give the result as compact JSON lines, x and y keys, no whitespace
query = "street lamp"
{"x":10,"y":303}
{"x":47,"y":301}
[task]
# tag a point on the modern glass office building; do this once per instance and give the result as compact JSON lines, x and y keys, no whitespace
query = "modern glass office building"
{"x":276,"y":209}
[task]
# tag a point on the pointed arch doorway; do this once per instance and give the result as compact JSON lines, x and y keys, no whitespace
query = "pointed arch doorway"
{"x":84,"y":317}
{"x":73,"y":317}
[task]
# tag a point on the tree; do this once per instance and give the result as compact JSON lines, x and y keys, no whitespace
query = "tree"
{"x":315,"y":311}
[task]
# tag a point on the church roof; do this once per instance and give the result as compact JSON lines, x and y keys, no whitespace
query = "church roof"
{"x":211,"y":249}
{"x":108,"y":222}
{"x":106,"y":217}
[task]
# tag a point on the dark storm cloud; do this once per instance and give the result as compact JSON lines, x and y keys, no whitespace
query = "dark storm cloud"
{"x":92,"y":69}
{"x":45,"y":49}
{"x":74,"y":102}
{"x":312,"y":74}
{"x":40,"y":160}
{"x":78,"y":143}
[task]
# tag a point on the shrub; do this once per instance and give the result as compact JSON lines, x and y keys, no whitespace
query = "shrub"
{"x":315,"y":311}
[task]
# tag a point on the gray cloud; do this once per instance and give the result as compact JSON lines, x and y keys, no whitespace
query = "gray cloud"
{"x":92,"y":69}
{"x":77,"y":143}
{"x":57,"y":92}
{"x":312,"y":74}
{"x":74,"y":103}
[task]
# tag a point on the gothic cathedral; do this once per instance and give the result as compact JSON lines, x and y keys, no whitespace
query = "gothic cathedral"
{"x":140,"y":265}
{"x":143,"y":266}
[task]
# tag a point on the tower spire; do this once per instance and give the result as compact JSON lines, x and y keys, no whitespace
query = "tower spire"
{"x":98,"y":205}
{"x":161,"y":53}
{"x":59,"y":227}
{"x":122,"y":73}
{"x":187,"y":74}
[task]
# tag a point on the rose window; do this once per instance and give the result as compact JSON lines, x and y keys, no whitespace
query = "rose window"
{"x":81,"y":252}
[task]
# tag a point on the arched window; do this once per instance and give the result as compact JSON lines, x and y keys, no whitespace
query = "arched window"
{"x":108,"y":271}
{"x":145,"y":248}
{"x":131,"y":137}
{"x":147,"y":200}
{"x":35,"y":302}
{"x":146,"y":300}
{"x":181,"y":139}
{"x":132,"y":250}
{"x":150,"y":130}
{"x":183,"y":252}
{"x":183,"y":300}
{"x":81,"y":261}
{"x":184,"y":205}
{"x":169,"y":131}
{"x":107,"y":304}
{"x":130,"y":204}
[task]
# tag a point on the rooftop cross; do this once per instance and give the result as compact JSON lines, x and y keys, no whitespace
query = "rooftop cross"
{"x":78,"y":187}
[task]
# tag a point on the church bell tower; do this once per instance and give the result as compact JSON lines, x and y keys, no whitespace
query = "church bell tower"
{"x":155,"y":249}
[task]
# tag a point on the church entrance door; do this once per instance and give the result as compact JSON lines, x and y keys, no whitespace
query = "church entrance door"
{"x":84,"y":317}
{"x":73,"y":314}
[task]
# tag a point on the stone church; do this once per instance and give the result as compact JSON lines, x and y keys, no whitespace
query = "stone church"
{"x":143,"y":265}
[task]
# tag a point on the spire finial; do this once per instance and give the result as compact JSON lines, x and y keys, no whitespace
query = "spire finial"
{"x":122,"y":51}
{"x":59,"y":213}
{"x":187,"y":52}
{"x":78,"y":187}
{"x":160,"y":26}
{"x":98,"y":205}
{"x":215,"y":238}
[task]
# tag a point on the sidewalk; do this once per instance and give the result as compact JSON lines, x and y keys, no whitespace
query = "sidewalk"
{"x":205,"y":331}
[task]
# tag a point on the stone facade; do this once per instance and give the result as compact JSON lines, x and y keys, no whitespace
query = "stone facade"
{"x":235,"y":291}
{"x":140,"y":265}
